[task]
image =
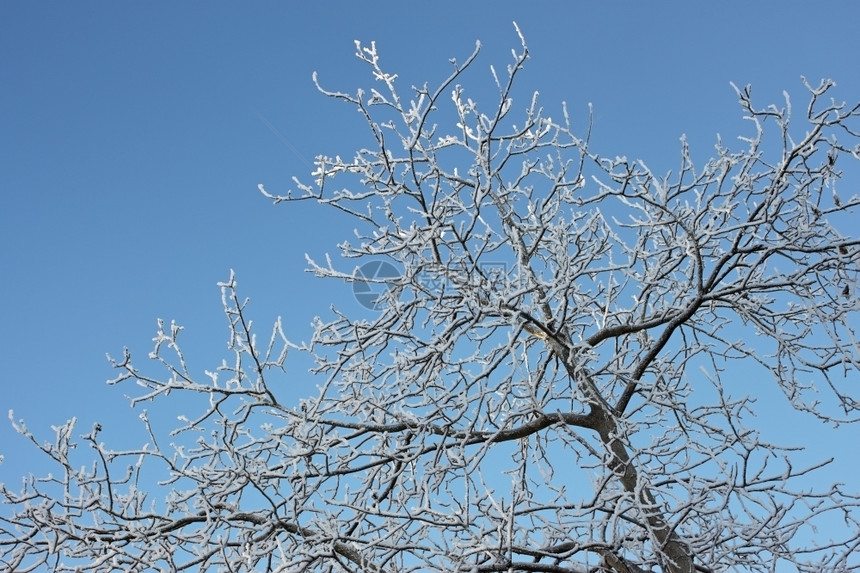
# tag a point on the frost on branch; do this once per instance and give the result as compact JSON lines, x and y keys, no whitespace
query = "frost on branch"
{"x":563,"y":378}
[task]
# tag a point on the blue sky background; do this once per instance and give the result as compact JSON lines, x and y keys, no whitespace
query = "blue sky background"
{"x":133,"y":135}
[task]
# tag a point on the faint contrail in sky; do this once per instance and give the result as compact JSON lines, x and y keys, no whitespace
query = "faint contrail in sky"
{"x":282,"y":138}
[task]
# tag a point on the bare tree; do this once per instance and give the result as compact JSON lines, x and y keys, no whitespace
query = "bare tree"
{"x":549,"y":384}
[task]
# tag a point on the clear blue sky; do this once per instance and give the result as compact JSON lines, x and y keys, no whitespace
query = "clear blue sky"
{"x":132,"y":141}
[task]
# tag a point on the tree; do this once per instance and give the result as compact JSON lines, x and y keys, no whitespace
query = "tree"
{"x":546,"y":385}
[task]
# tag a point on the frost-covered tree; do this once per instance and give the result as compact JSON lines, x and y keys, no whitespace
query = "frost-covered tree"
{"x":557,"y":379}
